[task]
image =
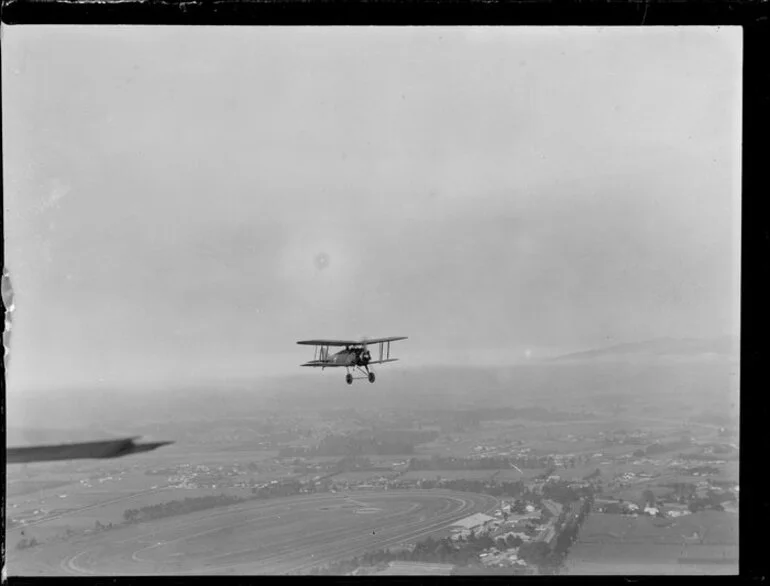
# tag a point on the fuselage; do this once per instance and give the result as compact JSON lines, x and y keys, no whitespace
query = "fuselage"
{"x":347,"y":357}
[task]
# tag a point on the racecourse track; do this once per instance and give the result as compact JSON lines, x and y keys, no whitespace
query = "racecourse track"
{"x":268,"y":537}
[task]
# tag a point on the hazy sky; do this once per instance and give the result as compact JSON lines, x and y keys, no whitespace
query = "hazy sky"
{"x":171,"y":193}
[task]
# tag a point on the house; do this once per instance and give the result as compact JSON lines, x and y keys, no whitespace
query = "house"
{"x":552,"y":507}
{"x":460,"y":534}
{"x":677,"y":513}
{"x":476,"y":521}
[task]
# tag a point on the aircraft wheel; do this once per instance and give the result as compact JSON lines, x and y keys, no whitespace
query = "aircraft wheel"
{"x":371,"y":377}
{"x":349,"y":378}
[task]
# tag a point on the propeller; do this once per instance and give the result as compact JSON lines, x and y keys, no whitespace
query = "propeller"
{"x":365,"y":355}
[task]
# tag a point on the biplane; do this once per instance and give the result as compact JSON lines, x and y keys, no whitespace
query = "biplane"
{"x":355,"y":355}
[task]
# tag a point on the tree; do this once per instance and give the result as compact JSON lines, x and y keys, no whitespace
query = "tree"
{"x":534,"y":552}
{"x":649,"y":497}
{"x":514,"y":541}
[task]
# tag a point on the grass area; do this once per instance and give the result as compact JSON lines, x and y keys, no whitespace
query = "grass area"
{"x":613,"y":553}
{"x":712,"y":527}
{"x":24,"y":487}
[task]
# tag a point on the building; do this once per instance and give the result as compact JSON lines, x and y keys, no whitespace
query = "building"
{"x":477,"y":521}
{"x":460,"y":534}
{"x":552,"y":507}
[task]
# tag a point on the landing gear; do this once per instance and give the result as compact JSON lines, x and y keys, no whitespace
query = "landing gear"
{"x":367,"y":374}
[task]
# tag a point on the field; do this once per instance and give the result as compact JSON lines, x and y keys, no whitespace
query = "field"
{"x":449,"y":474}
{"x":260,"y":537}
{"x":84,"y":510}
{"x":22,"y":487}
{"x":502,"y":475}
{"x":542,"y":437}
{"x":50,"y":498}
{"x":359,"y":476}
{"x":714,"y":527}
{"x":653,"y":565}
{"x":614,"y":543}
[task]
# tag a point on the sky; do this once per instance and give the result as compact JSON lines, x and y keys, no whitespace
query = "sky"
{"x":187,"y":202}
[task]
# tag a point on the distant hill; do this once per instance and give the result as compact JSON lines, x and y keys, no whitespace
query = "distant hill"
{"x":663,"y":368}
{"x":665,"y":348}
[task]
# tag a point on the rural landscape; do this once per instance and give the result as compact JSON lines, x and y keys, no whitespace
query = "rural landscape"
{"x":215,"y":233}
{"x":620,"y":460}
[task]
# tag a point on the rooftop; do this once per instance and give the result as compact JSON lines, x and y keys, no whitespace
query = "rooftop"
{"x":473,"y":521}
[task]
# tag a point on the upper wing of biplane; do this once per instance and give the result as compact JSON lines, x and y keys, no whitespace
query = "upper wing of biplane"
{"x":99,"y":449}
{"x":378,"y":340}
{"x":329,"y":342}
{"x":350,"y":342}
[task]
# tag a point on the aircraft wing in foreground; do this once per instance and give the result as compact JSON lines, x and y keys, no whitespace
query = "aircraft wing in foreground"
{"x":96,"y":450}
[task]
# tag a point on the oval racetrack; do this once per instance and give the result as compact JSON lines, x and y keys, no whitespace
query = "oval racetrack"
{"x":272,"y":537}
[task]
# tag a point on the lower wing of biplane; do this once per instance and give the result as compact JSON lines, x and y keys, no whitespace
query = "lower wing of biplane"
{"x":355,"y":354}
{"x":76,"y":451}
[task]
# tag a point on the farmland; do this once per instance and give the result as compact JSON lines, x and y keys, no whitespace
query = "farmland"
{"x":450,"y":474}
{"x":607,"y":543}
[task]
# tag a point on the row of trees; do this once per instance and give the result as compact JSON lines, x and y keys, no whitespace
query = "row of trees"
{"x":27,"y":543}
{"x":713,"y":501}
{"x":503,"y":489}
{"x":178,"y":507}
{"x":279,"y":489}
